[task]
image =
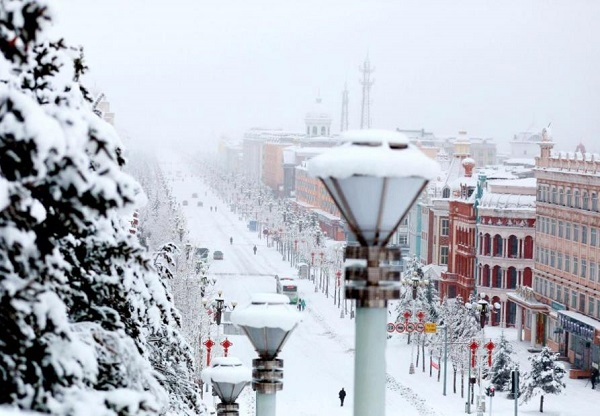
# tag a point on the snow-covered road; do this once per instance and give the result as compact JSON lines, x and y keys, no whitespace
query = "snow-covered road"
{"x":319,"y":358}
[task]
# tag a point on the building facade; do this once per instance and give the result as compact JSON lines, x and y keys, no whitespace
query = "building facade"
{"x":567,"y":254}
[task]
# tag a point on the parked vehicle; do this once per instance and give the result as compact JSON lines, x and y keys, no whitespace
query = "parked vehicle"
{"x":194,"y":195}
{"x":201,"y":253}
{"x":218,"y":255}
{"x":185,"y":203}
{"x":287,"y":286}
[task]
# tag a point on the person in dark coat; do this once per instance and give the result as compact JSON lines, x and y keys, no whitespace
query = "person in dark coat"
{"x":594,"y":377}
{"x":342,"y":395}
{"x":230,"y":240}
{"x":254,"y":249}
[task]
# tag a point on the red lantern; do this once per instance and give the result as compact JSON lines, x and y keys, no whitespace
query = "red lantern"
{"x":490,"y":346}
{"x":473,"y":346}
{"x":226,"y":344}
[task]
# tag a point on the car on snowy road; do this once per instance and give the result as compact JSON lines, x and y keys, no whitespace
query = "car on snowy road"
{"x":218,"y":255}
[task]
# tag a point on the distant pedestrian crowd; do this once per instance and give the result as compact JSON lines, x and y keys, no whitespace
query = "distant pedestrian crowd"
{"x":301,"y":304}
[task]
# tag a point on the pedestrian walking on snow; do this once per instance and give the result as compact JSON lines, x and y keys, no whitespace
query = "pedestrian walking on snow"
{"x":254,"y":250}
{"x":594,"y":377}
{"x":230,"y":240}
{"x":342,"y":396}
{"x":302,"y":304}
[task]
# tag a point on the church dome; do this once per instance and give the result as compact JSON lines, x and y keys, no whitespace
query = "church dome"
{"x":318,"y":112}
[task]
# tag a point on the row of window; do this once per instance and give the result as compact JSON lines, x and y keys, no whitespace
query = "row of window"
{"x":568,"y":197}
{"x":569,"y":297}
{"x":569,"y":231}
{"x":570,"y":264}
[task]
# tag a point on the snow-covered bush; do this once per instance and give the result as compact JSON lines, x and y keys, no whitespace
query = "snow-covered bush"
{"x":545,"y":377}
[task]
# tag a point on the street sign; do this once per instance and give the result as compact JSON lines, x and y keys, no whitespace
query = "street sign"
{"x":400,"y":327}
{"x":407,"y":314}
{"x":391,"y":327}
{"x":420,"y":315}
{"x":430,"y":327}
{"x":420,"y":327}
{"x":410,"y":327}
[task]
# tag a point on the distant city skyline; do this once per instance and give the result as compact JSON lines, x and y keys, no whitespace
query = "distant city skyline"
{"x":200,"y":71}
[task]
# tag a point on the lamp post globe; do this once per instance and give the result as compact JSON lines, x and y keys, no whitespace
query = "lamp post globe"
{"x":373,"y":178}
{"x":228,"y":378}
{"x":268,"y":322}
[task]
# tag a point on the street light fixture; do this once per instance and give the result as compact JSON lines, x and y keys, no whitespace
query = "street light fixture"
{"x":374,"y":179}
{"x":228,"y":378}
{"x":483,"y":307}
{"x":268,"y":322}
{"x":416,"y":280}
{"x":219,"y":306}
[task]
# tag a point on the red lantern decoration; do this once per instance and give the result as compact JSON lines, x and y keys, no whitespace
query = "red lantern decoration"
{"x":226,"y":344}
{"x":473,"y":346}
{"x":490,"y":346}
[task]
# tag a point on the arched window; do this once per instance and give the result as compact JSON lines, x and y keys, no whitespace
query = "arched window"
{"x":513,"y":246}
{"x":487,"y":245}
{"x":315,"y":131}
{"x":308,"y":130}
{"x":511,"y":278}
{"x":446,"y":192}
{"x":569,"y":198}
{"x":497,"y":277}
{"x":576,"y":199}
{"x":323,"y":130}
{"x":585,"y":200}
{"x":595,"y":202}
{"x":498,"y":245}
{"x":554,"y":194}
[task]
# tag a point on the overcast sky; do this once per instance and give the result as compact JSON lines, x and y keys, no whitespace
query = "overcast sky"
{"x":197,"y":69}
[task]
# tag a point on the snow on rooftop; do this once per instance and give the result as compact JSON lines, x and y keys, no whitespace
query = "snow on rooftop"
{"x":497,"y":200}
{"x":379,"y":153}
{"x":524,"y":182}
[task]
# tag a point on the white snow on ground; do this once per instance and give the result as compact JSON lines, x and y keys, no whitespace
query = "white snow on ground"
{"x":318,"y":358}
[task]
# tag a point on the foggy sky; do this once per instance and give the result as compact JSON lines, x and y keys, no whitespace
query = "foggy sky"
{"x":196,"y":69}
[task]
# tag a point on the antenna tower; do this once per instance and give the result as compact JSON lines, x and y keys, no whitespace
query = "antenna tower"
{"x":344,"y":124}
{"x":367,"y":83}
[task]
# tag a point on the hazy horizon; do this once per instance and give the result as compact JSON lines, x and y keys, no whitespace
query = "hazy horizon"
{"x":196,"y":71}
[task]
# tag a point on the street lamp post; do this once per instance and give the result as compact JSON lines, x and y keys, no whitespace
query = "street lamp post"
{"x":484,"y":309}
{"x":268,"y":322}
{"x":219,"y":306}
{"x":373,"y":179}
{"x":414,"y":283}
{"x":228,"y":378}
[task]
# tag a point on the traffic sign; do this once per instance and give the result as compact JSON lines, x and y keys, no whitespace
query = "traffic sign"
{"x":420,"y":327}
{"x":430,"y":327}
{"x":410,"y":327}
{"x":407,"y":314}
{"x":391,"y":327}
{"x":400,"y":327}
{"x":420,"y":315}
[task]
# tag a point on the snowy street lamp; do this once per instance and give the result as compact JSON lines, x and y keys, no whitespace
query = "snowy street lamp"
{"x":228,"y":378}
{"x":219,"y":306}
{"x":268,"y":322}
{"x":374,"y":179}
{"x":483,"y":308}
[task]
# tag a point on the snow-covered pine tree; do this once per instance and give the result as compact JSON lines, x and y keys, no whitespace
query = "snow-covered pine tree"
{"x":545,"y":376}
{"x":77,"y":295}
{"x":502,"y":364}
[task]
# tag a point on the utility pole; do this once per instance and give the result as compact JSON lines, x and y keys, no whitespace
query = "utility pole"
{"x":344,"y":122}
{"x":367,"y":83}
